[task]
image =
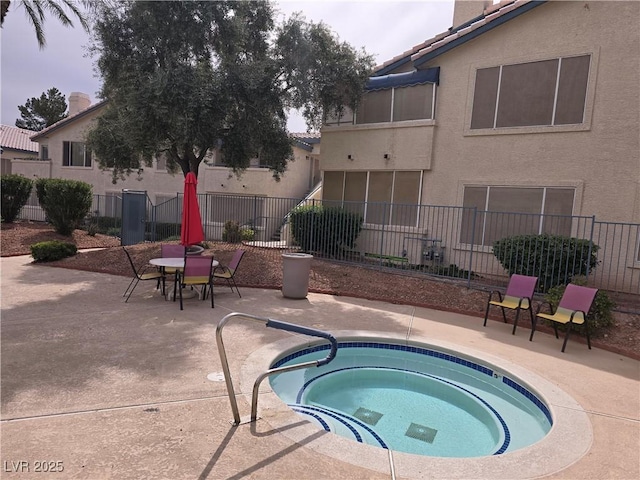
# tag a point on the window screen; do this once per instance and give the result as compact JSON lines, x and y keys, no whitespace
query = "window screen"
{"x":548,"y":92}
{"x":333,"y":186}
{"x":406,"y":196}
{"x":413,"y":103}
{"x":379,"y":198}
{"x":527,"y":92}
{"x":375,"y":107}
{"x":572,"y":90}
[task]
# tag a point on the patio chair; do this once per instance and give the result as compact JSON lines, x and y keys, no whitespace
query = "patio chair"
{"x":197,"y":271}
{"x":172,"y":251}
{"x":227,"y":272}
{"x":140,"y":274}
{"x":572,"y":310}
{"x":518,"y":297}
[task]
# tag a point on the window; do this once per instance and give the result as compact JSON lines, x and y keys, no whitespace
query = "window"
{"x":75,"y":154}
{"x":397,"y":104}
{"x":244,"y":209}
{"x":382,"y":197}
{"x":506,"y":211}
{"x":168,"y":208}
{"x":161,"y":162}
{"x":44,"y":152}
{"x":548,"y":92}
{"x":113,"y":204}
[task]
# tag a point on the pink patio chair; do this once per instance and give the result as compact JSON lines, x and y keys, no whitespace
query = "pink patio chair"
{"x":572,"y":310}
{"x":227,"y":272}
{"x":172,"y":251}
{"x":140,"y":274}
{"x":518,"y":297}
{"x":197,"y":271}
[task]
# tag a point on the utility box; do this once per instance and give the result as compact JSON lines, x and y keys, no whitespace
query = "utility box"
{"x":295,"y":274}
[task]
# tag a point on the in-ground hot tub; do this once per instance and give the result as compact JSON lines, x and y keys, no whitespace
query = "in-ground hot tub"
{"x":568,"y":438}
{"x":414,"y":399}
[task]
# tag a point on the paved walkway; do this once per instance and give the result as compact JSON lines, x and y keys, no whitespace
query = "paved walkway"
{"x":104,"y":389}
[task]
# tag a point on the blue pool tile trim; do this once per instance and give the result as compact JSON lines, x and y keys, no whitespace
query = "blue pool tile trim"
{"x":389,"y":346}
{"x":430,"y":353}
{"x":320,"y":420}
{"x":531,"y":396}
{"x":344,"y":419}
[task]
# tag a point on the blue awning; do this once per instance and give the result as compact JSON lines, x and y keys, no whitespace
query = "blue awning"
{"x":405,"y":79}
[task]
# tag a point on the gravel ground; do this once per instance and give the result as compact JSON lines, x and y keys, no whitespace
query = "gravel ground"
{"x":263,"y":268}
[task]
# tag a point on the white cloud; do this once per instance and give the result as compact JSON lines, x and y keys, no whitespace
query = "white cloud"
{"x":383,"y":28}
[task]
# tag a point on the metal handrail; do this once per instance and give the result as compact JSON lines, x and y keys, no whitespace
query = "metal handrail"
{"x":269,"y":322}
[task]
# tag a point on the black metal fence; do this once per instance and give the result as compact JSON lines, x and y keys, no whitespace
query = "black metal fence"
{"x":445,"y":241}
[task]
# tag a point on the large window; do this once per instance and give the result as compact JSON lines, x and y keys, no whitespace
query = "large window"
{"x":548,"y":92}
{"x":492,"y":213}
{"x":113,"y":204}
{"x":75,"y":154}
{"x":382,"y":197}
{"x":397,"y":104}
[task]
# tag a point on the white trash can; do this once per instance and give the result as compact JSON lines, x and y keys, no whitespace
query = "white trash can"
{"x":295,"y":274}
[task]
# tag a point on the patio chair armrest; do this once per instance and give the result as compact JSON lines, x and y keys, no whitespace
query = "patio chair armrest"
{"x":492,"y":292}
{"x":573,"y":313}
{"x":540,"y":305}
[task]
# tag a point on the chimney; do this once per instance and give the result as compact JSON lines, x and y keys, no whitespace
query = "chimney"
{"x":78,"y":101}
{"x":465,"y":10}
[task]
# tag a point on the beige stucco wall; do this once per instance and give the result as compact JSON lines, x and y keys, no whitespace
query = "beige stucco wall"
{"x":408,"y":146}
{"x":295,"y":182}
{"x":600,"y":159}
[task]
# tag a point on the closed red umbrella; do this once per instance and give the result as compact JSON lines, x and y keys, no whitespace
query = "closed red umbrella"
{"x":191,"y":230}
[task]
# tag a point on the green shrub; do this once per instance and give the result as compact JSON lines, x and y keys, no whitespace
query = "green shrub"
{"x":92,"y":229}
{"x":52,"y":250}
{"x":330,"y":231}
{"x":231,"y":232}
{"x":163,"y":231}
{"x":65,"y":202}
{"x":113,"y":231}
{"x":554,"y":259}
{"x":601,"y":313}
{"x":247,"y":234}
{"x":15,"y":194}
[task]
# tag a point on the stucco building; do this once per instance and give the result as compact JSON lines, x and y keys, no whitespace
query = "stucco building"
{"x":522,"y":106}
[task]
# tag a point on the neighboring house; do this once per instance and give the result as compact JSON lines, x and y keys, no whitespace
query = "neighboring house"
{"x":522,"y":106}
{"x":62,"y":146}
{"x":16,"y":145}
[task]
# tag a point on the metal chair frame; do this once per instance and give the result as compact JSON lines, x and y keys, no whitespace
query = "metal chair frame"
{"x":183,"y":277}
{"x":228,"y":271}
{"x":573,"y":309}
{"x":518,"y":296}
{"x":141,"y":275}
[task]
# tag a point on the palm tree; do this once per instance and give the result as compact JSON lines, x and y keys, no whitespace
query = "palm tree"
{"x":36,"y":9}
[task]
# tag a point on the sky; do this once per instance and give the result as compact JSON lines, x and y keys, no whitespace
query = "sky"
{"x":383,"y":28}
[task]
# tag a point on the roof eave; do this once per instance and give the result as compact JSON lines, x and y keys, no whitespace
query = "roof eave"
{"x":62,"y":123}
{"x":419,"y":60}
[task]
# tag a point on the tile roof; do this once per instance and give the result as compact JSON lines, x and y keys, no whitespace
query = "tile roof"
{"x":17,"y":139}
{"x":492,"y":16}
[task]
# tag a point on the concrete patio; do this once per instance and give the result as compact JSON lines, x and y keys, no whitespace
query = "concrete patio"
{"x":105,"y":389}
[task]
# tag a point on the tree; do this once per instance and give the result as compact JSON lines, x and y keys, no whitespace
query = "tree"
{"x":40,"y":113}
{"x":35,"y":10}
{"x":182,"y":78}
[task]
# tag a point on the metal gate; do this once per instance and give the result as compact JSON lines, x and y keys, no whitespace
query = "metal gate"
{"x":134,"y":216}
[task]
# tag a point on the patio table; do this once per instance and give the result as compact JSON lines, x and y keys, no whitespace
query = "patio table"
{"x":175,"y":262}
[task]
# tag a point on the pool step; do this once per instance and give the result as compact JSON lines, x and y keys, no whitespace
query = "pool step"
{"x":341,"y":424}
